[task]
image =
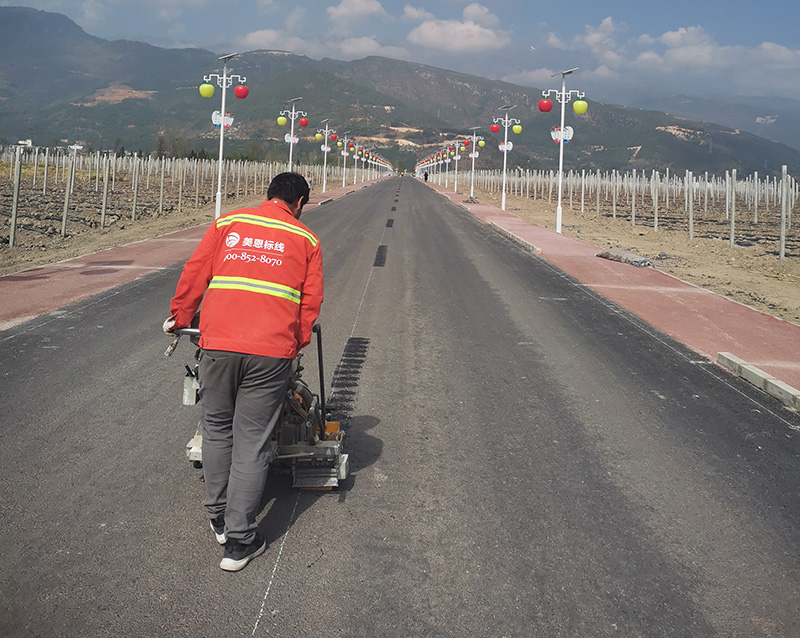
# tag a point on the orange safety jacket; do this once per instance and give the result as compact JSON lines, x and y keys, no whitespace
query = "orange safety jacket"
{"x":261,"y":272}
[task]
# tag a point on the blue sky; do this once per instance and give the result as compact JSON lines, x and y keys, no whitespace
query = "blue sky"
{"x":699,"y":47}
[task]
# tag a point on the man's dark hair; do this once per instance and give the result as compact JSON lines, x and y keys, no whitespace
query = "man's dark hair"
{"x":289,"y":187}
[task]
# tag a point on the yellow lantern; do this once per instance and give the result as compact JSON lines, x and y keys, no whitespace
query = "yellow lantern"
{"x":281,"y":121}
{"x":206,"y":90}
{"x":517,"y":129}
{"x":580,"y":106}
{"x":318,"y":136}
{"x":481,"y":143}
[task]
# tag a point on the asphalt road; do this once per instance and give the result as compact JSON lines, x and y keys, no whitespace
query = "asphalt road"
{"x":527,"y":460}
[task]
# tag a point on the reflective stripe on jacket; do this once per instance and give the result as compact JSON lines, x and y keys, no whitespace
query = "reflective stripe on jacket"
{"x":261,"y":273}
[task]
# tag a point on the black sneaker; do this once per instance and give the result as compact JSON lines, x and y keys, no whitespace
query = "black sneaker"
{"x":218,"y":527}
{"x":237,"y":555}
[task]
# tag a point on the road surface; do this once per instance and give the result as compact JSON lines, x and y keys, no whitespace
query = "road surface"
{"x":527,"y":460}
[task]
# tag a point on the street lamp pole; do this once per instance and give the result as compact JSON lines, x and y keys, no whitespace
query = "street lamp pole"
{"x":474,"y":155}
{"x":505,"y":122}
{"x":325,"y":148}
{"x":292,"y":115}
{"x":563,"y":97}
{"x":224,"y":83}
{"x":345,"y":155}
{"x":458,"y":146}
{"x":364,"y":153}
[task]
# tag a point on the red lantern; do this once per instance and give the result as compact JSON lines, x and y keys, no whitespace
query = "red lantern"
{"x":466,"y":142}
{"x":449,"y":148}
{"x":241,"y":91}
{"x":495,"y":128}
{"x":303,"y":121}
{"x":334,"y":137}
{"x":545,"y":104}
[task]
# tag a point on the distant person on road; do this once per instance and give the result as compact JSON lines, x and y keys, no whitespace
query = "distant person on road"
{"x":425,"y":176}
{"x":258,"y":273}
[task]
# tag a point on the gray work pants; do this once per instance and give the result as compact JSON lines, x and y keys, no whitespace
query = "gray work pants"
{"x":241,"y":398}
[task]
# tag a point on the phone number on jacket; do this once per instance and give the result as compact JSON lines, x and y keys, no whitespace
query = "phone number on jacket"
{"x":250,"y":258}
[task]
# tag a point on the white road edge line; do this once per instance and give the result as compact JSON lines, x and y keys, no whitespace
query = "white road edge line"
{"x":275,"y":566}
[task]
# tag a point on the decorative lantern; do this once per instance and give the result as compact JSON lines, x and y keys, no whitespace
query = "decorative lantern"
{"x":206,"y":90}
{"x":466,"y":142}
{"x":318,"y":136}
{"x":580,"y":106}
{"x":334,"y":137}
{"x":481,"y":143}
{"x":517,"y":129}
{"x":303,"y":121}
{"x":241,"y":91}
{"x":281,"y":121}
{"x":495,"y":128}
{"x":545,"y":104}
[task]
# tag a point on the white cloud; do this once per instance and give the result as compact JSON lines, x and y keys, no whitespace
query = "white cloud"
{"x":479,"y":14}
{"x":602,"y":73}
{"x":342,"y":48}
{"x":368,"y":45}
{"x":686,"y":37}
{"x":351,"y":12}
{"x":271,"y":39}
{"x":174,"y":9}
{"x":555,"y":42}
{"x":294,"y":21}
{"x":466,"y":36}
{"x":416,"y":14}
{"x":686,"y":59}
{"x":602,"y":41}
{"x":93,"y":12}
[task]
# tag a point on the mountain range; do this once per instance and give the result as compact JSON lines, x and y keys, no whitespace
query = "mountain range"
{"x":60,"y":85}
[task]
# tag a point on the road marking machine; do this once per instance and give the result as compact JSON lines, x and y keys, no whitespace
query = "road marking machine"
{"x":304,"y":442}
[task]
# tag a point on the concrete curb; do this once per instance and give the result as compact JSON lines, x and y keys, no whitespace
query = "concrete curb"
{"x":517,"y":240}
{"x":785,"y":393}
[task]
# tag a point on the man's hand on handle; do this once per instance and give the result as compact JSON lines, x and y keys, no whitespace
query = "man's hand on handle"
{"x":169,"y":325}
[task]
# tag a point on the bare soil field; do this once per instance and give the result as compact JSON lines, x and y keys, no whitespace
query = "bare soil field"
{"x":39,"y":240}
{"x":750,"y":273}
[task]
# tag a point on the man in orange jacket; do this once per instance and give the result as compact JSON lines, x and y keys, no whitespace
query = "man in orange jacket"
{"x":258,"y":273}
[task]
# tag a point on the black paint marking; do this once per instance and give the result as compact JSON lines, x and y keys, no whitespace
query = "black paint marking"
{"x":380,"y":256}
{"x":346,"y":376}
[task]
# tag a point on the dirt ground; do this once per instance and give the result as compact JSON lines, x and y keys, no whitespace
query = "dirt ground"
{"x":750,"y":273}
